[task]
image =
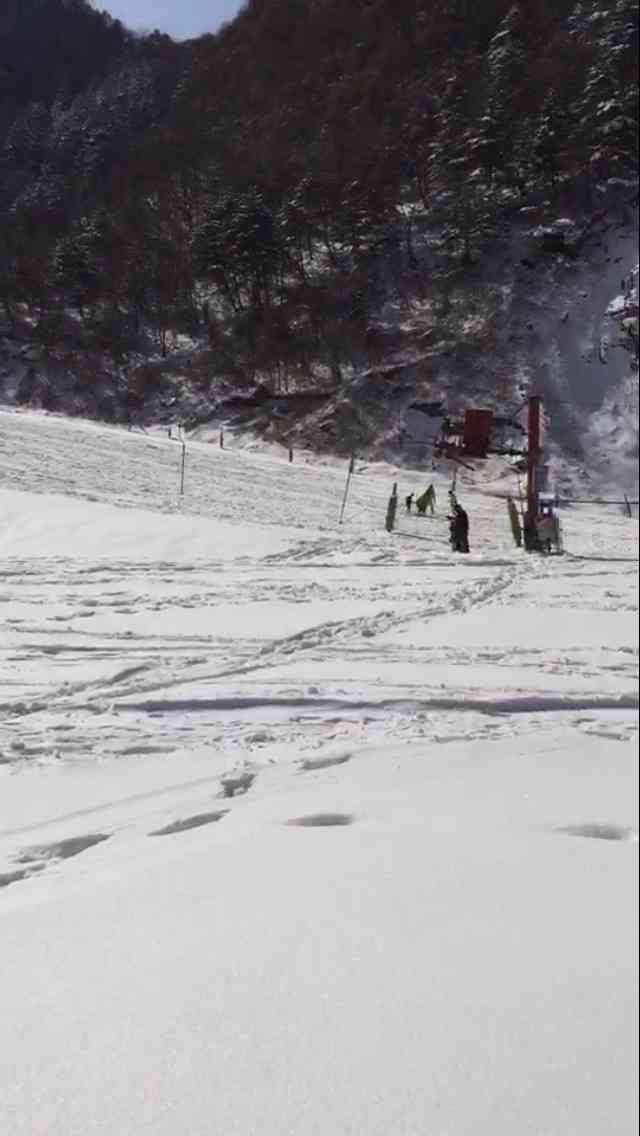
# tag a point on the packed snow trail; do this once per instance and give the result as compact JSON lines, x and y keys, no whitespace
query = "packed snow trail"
{"x":306,"y":827}
{"x":165,"y":633}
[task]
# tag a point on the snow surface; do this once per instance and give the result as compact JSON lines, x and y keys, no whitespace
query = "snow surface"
{"x":417,"y":914}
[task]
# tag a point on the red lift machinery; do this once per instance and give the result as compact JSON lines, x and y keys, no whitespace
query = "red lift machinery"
{"x":475,"y":438}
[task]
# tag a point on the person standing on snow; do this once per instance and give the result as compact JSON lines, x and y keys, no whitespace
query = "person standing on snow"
{"x":430,"y":499}
{"x":459,"y":523}
{"x":409,"y":502}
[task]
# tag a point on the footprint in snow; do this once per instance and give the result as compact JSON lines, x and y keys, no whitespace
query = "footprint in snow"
{"x":322,"y":820}
{"x":310,"y":763}
{"x":38,"y":856}
{"x":237,"y":781}
{"x":7,"y":878}
{"x":597,"y":831}
{"x":190,"y":822}
{"x":60,"y":849}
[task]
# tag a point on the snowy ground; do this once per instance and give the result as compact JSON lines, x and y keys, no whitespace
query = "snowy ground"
{"x":417,"y":915}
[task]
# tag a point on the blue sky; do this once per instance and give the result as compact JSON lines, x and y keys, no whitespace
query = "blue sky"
{"x":179,"y":18}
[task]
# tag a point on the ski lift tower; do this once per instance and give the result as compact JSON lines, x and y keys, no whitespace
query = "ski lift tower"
{"x":533,"y":453}
{"x":475,"y":437}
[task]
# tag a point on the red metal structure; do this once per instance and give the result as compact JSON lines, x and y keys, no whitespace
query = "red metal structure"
{"x":479,"y":434}
{"x":533,"y":452}
{"x":473,"y":438}
{"x":476,"y":433}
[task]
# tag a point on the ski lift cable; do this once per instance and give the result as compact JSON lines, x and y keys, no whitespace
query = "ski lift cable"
{"x":572,"y":402}
{"x":545,"y":399}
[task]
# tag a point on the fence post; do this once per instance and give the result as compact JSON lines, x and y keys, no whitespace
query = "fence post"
{"x":391,"y":509}
{"x":514,"y":520}
{"x":352,"y":462}
{"x":184,"y":450}
{"x":222,"y":439}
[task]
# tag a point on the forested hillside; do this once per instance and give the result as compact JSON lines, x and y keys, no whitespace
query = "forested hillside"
{"x":267,"y":191}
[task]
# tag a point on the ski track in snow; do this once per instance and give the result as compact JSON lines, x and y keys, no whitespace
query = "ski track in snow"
{"x":112,"y":656}
{"x":305,"y":826}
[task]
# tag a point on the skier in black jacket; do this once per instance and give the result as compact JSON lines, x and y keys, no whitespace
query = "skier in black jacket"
{"x":459,"y":522}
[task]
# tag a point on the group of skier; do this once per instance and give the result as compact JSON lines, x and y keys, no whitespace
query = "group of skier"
{"x":457,"y":517}
{"x":424,"y":501}
{"x":539,"y":533}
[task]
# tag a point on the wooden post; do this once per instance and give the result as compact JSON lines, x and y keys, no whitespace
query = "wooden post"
{"x":391,"y":509}
{"x":514,"y":520}
{"x":222,"y":439}
{"x":352,"y":462}
{"x":184,"y":450}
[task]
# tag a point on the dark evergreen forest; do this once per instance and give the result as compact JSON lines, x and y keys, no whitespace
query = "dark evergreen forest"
{"x":260,"y":188}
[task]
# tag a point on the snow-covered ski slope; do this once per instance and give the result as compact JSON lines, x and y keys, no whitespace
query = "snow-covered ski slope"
{"x":417,"y":916}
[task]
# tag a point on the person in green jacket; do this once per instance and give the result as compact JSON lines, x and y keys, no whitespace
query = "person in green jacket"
{"x":426,"y":501}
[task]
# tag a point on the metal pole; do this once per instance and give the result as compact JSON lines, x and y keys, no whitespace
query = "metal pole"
{"x":184,"y":448}
{"x":533,"y":452}
{"x":352,"y":461}
{"x":520,"y":502}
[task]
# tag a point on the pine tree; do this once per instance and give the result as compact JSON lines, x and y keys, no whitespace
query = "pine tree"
{"x":546,"y":143}
{"x":457,"y":187}
{"x":505,"y":72}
